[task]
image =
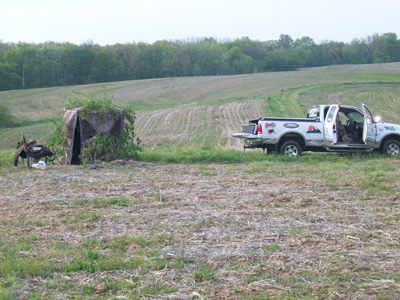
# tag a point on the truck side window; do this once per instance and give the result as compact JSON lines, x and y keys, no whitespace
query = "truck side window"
{"x":325,"y":112}
{"x":331,"y":113}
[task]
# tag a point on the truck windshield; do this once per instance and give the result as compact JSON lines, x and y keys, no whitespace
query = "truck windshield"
{"x":356,"y":116}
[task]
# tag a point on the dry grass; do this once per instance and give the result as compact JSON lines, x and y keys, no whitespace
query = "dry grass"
{"x":285,"y":229}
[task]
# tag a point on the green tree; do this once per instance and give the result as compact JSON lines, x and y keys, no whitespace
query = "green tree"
{"x":27,"y":65}
{"x":102,"y":64}
{"x":48,"y":67}
{"x":285,"y":42}
{"x":333,"y":52}
{"x":239,"y":62}
{"x":76,"y":62}
{"x":309,"y":53}
{"x":181,"y":61}
{"x":210,"y":58}
{"x":252,"y":49}
{"x":385,"y":48}
{"x":357,"y":52}
{"x":129,"y":57}
{"x":167,"y":56}
{"x":9,"y":78}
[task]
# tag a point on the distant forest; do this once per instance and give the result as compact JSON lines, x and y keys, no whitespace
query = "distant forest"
{"x":26,"y":65}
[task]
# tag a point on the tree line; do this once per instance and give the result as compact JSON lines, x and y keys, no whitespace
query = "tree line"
{"x":27,"y":65}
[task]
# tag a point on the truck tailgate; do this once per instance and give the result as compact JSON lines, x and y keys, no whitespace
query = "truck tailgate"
{"x":248,"y":131}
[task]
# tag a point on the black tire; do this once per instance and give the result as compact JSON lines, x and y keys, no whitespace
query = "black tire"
{"x":290,"y":148}
{"x":391,"y":147}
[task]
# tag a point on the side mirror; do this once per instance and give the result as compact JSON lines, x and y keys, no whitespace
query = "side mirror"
{"x":377,"y":119}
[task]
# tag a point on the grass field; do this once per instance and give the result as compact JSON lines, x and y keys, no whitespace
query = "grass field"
{"x":195,"y":218}
{"x":197,"y":112}
{"x":315,"y":227}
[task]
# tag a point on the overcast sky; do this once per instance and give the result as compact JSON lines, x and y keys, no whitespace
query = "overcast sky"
{"x":122,"y":21}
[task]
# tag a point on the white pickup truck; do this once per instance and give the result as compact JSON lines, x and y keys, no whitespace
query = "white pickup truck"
{"x":336,"y":128}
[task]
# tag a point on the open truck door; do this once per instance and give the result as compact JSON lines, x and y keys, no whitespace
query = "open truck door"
{"x":369,"y":130}
{"x":330,"y":125}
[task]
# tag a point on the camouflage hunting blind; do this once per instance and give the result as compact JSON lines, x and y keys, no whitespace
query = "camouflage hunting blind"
{"x":81,"y":131}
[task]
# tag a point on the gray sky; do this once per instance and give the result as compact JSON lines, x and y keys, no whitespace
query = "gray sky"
{"x":107,"y":22}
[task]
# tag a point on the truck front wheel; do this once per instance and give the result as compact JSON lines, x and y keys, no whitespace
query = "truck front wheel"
{"x":391,"y":147}
{"x":290,"y":148}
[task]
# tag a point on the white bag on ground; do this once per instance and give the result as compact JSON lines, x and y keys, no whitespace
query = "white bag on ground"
{"x":39,"y":165}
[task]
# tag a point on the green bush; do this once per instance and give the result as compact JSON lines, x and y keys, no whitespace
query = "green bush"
{"x":101,"y":106}
{"x":107,"y":148}
{"x":104,"y":146}
{"x":56,"y":140}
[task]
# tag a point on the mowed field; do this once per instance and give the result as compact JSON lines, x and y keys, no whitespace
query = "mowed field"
{"x":321,"y":226}
{"x":203,"y":112}
{"x":325,"y":228}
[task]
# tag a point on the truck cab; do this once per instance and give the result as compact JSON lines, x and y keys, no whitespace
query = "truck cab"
{"x":347,"y":127}
{"x":344,"y":128}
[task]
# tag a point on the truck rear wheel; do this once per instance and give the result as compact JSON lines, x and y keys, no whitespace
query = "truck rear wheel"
{"x":290,"y":148}
{"x":391,"y":147}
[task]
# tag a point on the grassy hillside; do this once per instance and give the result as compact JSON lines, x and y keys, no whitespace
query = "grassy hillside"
{"x":203,"y":112}
{"x":319,"y":226}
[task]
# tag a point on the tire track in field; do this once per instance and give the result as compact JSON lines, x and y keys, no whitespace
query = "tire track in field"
{"x":231,"y":118}
{"x":244,"y":111}
{"x":238,"y":119}
{"x":157,"y":124}
{"x":145,"y":126}
{"x":190,"y":117}
{"x":207,"y":126}
{"x":167,"y":117}
{"x":173,"y":125}
{"x":239,"y":108}
{"x":198,"y":124}
{"x":239,"y":114}
{"x":334,"y":98}
{"x":149,"y":119}
{"x":230,"y":113}
{"x":223,"y":119}
{"x":236,"y":124}
{"x":178,"y":126}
